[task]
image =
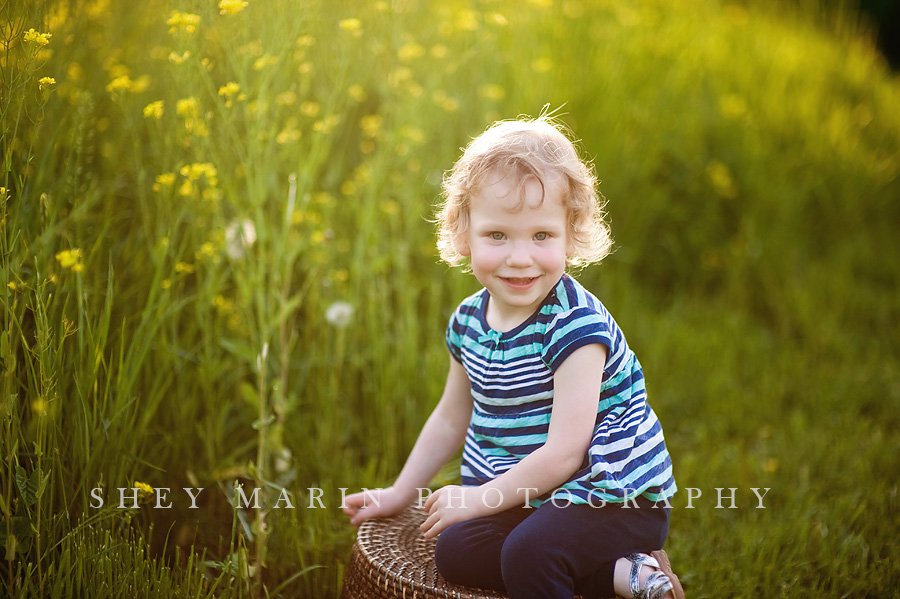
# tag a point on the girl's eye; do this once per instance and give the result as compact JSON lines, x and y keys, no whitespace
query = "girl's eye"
{"x":497,"y":236}
{"x":541,"y":237}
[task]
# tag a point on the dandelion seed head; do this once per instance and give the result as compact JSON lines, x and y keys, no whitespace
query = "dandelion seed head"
{"x":239,"y":236}
{"x":339,"y":314}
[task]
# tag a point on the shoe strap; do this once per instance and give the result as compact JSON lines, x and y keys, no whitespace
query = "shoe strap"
{"x":656,"y":585}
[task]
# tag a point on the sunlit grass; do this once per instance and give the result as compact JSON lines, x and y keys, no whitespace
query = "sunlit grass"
{"x":218,"y":266}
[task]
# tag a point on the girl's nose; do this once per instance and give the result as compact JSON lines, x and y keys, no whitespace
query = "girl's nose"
{"x":519,"y":255}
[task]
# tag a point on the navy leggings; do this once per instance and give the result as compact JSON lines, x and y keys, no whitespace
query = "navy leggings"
{"x":550,"y":552}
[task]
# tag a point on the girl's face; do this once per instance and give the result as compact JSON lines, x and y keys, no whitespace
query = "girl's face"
{"x":517,"y":248}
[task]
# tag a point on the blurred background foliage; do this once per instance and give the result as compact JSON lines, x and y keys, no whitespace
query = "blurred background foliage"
{"x":219,"y":270}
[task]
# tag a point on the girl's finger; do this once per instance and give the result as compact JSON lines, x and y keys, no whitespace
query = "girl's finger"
{"x":429,"y":522}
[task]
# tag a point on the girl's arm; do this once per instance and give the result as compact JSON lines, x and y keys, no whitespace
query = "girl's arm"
{"x":576,"y":395}
{"x":442,"y":435}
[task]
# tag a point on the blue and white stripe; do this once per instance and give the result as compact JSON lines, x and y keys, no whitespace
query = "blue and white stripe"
{"x":512,"y":386}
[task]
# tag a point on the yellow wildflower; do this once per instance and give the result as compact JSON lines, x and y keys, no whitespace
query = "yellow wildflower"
{"x":164,"y":180}
{"x":371,"y":125}
{"x":200,"y":169}
{"x":491,"y":92}
{"x":230,"y":7}
{"x":357,"y":92}
{"x":196,"y":127}
{"x":120,"y":84}
{"x":326,"y":125}
{"x":12,"y":285}
{"x":467,"y":20}
{"x":141,"y":84}
{"x":46,"y":82}
{"x":184,"y":268}
{"x":207,"y":250}
{"x":414,"y":134}
{"x":70,"y":259}
{"x":186,"y":188}
{"x":306,"y":41}
{"x":176,"y":58}
{"x":39,"y":406}
{"x":266,"y":60}
{"x":390,"y":207}
{"x":223,"y":305}
{"x":498,"y":19}
{"x":732,"y":106}
{"x":721,"y":179}
{"x":188,"y":107}
{"x":41,"y":39}
{"x":186,"y":22}
{"x":309,"y":108}
{"x":74,"y":72}
{"x":444,"y":101}
{"x":166,"y":284}
{"x":287,"y":135}
{"x":229,"y":89}
{"x":154,"y":110}
{"x":410,"y":51}
{"x":212,"y":194}
{"x":286,"y":98}
{"x":542,"y":65}
{"x":348,"y":24}
{"x":143,"y":488}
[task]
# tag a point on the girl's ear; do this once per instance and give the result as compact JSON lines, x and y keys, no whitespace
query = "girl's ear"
{"x":461,"y":245}
{"x":570,"y":243}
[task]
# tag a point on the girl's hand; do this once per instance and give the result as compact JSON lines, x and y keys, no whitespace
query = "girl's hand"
{"x":374,"y":503}
{"x":449,"y":505}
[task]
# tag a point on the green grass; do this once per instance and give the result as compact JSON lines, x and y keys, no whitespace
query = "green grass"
{"x":750,"y":154}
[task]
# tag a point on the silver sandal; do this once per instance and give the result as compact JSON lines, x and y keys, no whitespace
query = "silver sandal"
{"x":661,"y":580}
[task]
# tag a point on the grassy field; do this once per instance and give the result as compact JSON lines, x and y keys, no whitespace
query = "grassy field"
{"x":218,"y":272}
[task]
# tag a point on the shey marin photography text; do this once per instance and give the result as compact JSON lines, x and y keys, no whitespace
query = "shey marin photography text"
{"x":315,"y":498}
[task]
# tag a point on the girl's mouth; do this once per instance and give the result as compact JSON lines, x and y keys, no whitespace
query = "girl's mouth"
{"x":519,"y":282}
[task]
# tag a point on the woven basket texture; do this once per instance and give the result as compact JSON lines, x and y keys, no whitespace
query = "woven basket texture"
{"x":391,"y":558}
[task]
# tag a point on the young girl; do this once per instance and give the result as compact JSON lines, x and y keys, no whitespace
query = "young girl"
{"x":565,"y":473}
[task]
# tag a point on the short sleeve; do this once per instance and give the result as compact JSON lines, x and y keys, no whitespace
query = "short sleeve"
{"x":454,"y":336}
{"x":571,"y":330}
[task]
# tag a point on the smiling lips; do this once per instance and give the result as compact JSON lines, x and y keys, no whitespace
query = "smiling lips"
{"x":519,"y":282}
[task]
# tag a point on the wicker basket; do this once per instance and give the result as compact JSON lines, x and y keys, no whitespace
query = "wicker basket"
{"x":391,"y":558}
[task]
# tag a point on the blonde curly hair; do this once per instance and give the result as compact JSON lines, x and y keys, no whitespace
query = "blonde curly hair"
{"x":526,"y":148}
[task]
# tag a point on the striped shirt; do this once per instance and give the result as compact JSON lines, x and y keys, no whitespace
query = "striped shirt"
{"x":512,"y":387}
